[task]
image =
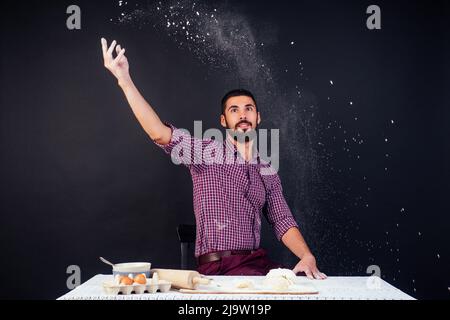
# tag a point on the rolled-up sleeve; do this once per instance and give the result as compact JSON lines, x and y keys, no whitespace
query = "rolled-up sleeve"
{"x":174,"y":139}
{"x":184,"y":148}
{"x":278,"y":213}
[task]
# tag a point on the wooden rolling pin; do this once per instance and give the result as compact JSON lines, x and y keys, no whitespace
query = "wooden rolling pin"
{"x":182,"y":279}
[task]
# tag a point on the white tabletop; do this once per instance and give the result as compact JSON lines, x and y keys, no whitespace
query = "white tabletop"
{"x":333,"y":288}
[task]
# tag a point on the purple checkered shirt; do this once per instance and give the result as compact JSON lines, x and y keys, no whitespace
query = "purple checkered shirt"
{"x":229,"y":196}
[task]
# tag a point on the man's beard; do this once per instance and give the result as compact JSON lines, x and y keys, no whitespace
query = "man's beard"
{"x":236,"y":135}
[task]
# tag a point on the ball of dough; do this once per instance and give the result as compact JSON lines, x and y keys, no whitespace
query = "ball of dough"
{"x":277,"y":283}
{"x":283,"y":273}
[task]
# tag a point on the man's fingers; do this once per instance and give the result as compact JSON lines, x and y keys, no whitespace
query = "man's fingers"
{"x":318,"y":276}
{"x":315,"y":273}
{"x":111,"y":48}
{"x":118,"y":49}
{"x":309,"y":274}
{"x":104,"y":46}
{"x":119,"y":56}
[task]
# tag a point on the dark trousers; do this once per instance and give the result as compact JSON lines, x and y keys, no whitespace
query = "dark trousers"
{"x":255,"y":264}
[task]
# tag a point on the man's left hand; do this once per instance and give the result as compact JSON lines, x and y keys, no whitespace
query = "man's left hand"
{"x":308,"y":265}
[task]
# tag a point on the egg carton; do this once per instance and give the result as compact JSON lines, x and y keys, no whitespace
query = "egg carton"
{"x":151,"y":286}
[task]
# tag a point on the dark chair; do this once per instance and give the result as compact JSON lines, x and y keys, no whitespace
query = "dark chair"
{"x":186,"y":235}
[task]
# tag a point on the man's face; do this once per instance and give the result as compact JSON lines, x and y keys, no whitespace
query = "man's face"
{"x":240,"y":114}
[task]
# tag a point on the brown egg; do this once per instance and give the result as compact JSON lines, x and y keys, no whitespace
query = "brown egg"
{"x":140,"y":278}
{"x":126,"y":281}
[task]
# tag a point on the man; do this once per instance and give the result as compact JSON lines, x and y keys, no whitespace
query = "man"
{"x":229,"y":197}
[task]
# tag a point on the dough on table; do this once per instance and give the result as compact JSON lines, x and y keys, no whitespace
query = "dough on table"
{"x":244,"y":284}
{"x":277,"y":283}
{"x":280,"y":279}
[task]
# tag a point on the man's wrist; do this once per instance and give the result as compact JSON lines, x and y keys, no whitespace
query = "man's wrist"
{"x":306,"y":254}
{"x":125,"y":83}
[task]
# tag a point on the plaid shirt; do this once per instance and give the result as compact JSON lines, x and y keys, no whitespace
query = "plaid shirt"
{"x":229,"y":196}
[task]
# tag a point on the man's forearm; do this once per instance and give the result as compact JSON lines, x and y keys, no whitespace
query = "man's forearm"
{"x":145,"y":114}
{"x":295,"y":242}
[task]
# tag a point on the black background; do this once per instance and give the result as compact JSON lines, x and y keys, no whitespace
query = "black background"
{"x":81,"y":179}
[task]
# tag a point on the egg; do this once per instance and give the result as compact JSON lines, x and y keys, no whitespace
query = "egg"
{"x":140,"y":278}
{"x":126,"y":281}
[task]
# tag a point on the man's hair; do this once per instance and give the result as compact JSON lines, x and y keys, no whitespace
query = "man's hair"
{"x":236,"y":93}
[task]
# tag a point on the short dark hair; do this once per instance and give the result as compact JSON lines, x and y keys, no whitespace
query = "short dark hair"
{"x":236,"y":93}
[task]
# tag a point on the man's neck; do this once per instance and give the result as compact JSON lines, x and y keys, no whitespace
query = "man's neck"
{"x":245,"y":149}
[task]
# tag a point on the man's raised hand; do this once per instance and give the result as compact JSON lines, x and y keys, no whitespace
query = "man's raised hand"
{"x":117,"y":65}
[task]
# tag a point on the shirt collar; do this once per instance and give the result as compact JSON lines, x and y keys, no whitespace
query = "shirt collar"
{"x":231,"y":148}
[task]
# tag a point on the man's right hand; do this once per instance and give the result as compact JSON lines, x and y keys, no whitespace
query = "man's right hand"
{"x":119,"y":65}
{"x":145,"y":114}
